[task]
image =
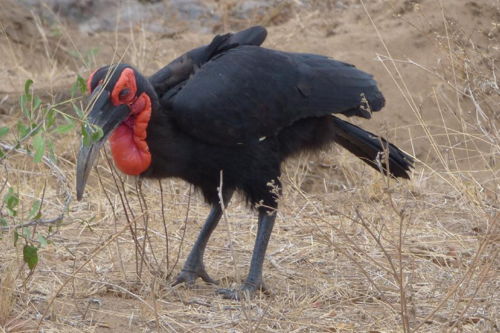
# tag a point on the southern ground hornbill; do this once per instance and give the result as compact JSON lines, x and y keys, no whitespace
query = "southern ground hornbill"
{"x":235,"y":107}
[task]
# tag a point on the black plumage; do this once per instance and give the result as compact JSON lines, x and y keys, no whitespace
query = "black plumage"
{"x":235,"y":107}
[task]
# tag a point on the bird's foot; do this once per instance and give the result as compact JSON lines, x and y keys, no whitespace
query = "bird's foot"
{"x":246,"y":291}
{"x":189,"y":276}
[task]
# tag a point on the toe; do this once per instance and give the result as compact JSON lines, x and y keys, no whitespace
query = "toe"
{"x":186,"y":277}
{"x":246,"y":291}
{"x":205,"y":277}
{"x":229,"y":293}
{"x":264,"y":289}
{"x":189,"y":277}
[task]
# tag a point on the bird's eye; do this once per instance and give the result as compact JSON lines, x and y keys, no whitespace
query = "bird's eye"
{"x":124,"y":93}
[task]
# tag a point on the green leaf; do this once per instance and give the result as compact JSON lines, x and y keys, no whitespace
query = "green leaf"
{"x":97,"y":134}
{"x":11,"y":200}
{"x":63,"y":129}
{"x":52,"y":156}
{"x":50,"y":118}
{"x":85,"y":135}
{"x":91,"y":133}
{"x":27,"y":232}
{"x":39,"y":146}
{"x":9,"y":193}
{"x":4,"y":130}
{"x":68,"y":119}
{"x":35,"y":209}
{"x":30,"y":256}
{"x":3,"y":221}
{"x":80,"y":83}
{"x":78,"y":111}
{"x":16,"y":237}
{"x":22,"y":103}
{"x":34,"y":130}
{"x":22,"y":130}
{"x":42,"y":239}
{"x":27,"y":86}
{"x":38,"y":102}
{"x":73,"y":89}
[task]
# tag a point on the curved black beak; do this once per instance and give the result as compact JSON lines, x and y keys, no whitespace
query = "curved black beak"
{"x":106,"y":116}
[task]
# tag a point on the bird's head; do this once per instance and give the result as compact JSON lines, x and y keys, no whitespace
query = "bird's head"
{"x":120,"y":105}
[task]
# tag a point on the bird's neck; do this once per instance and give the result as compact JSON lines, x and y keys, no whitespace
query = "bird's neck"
{"x":171,"y":149}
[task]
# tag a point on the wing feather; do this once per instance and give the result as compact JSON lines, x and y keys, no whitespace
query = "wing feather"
{"x":249,"y":92}
{"x":180,"y":69}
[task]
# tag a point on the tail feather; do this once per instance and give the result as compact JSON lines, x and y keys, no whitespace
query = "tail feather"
{"x":368,"y":146}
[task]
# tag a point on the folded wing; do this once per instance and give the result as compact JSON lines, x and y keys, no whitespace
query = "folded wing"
{"x":248,"y":93}
{"x":172,"y":76}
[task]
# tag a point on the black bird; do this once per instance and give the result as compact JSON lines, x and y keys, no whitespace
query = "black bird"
{"x":239,"y":108}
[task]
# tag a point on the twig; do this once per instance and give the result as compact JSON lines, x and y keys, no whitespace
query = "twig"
{"x":118,"y":287}
{"x":183,"y":233}
{"x":145,"y":219}
{"x":120,"y":260}
{"x":18,"y":142}
{"x":62,"y":178}
{"x":123,"y":198}
{"x":228,"y":227}
{"x":102,"y":247}
{"x":164,"y":226}
{"x":233,"y":253}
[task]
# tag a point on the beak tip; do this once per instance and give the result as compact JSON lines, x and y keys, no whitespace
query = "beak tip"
{"x":79,"y":190}
{"x":81,"y":178}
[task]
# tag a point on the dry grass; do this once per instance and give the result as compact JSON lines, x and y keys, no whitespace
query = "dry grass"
{"x":351,"y":250}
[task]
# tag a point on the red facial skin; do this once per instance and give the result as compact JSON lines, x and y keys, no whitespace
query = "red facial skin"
{"x":128,"y":141}
{"x":89,"y":82}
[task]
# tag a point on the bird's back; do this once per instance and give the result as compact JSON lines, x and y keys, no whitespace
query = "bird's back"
{"x":248,"y":93}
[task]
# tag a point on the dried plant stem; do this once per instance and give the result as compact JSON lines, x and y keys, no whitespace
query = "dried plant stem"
{"x":228,"y":228}
{"x":234,"y":256}
{"x":113,"y":209}
{"x":183,"y":233}
{"x":117,"y":287}
{"x":96,"y":252}
{"x":62,"y":179}
{"x":165,"y":229}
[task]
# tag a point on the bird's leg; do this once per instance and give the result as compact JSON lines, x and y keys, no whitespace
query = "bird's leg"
{"x":254,"y":279}
{"x":194,"y":267}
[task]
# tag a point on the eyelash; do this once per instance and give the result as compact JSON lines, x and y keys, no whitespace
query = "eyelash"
{"x":124,"y":93}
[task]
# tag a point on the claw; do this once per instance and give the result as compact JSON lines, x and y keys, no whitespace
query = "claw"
{"x":246,"y":291}
{"x":205,"y":277}
{"x":189,"y":277}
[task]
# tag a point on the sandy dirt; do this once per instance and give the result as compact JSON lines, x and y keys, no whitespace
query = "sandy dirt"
{"x":327,"y":271}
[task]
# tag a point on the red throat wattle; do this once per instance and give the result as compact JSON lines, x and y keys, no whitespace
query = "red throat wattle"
{"x":128,"y":141}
